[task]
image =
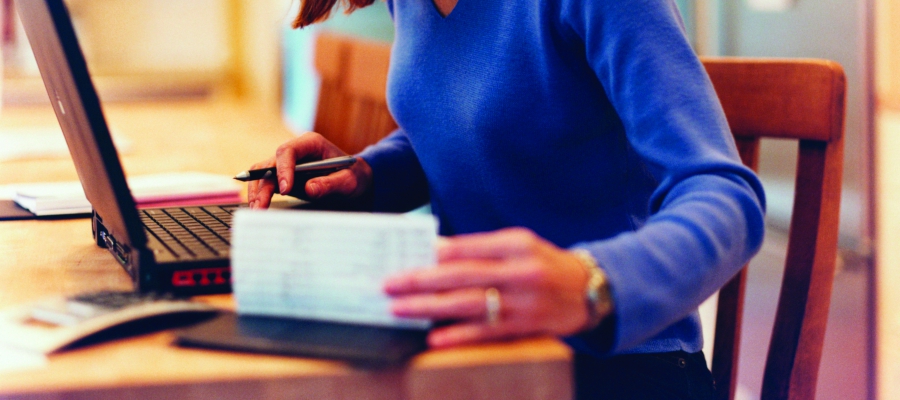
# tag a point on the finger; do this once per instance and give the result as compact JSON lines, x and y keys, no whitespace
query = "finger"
{"x":342,"y":182}
{"x":471,"y":303}
{"x":458,"y":275}
{"x":478,"y":331}
{"x":285,"y":160}
{"x":251,"y":193}
{"x":504,"y":243}
{"x":265,"y":190}
{"x":458,"y":304}
{"x":253,"y":187}
{"x":308,"y":146}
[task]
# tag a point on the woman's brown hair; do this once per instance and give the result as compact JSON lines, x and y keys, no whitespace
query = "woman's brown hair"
{"x":312,"y":11}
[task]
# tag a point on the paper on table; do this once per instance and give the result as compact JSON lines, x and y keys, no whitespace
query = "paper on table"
{"x":25,"y":143}
{"x":12,"y":356}
{"x":8,"y":191}
{"x":13,"y":359}
{"x":326,"y":265}
{"x":183,"y":188}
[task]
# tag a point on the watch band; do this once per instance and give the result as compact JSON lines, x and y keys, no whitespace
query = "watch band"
{"x":596,"y":293}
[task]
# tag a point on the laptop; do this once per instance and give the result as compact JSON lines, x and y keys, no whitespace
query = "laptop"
{"x":184,"y":250}
{"x":179,"y":250}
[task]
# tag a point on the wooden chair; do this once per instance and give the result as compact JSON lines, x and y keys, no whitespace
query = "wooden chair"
{"x":352,"y":111}
{"x":799,"y":100}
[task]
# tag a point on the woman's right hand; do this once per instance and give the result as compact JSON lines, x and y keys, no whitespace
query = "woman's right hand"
{"x":310,"y":146}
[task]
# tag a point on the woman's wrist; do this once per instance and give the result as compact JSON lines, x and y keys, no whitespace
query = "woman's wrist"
{"x":597,"y":294}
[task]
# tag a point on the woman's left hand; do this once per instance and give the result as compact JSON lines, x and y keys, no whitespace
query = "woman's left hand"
{"x":541,"y":289}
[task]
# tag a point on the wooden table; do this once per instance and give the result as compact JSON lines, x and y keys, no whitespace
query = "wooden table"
{"x":39,"y":258}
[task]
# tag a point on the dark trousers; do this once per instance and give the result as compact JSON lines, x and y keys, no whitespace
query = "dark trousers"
{"x":657,"y":376}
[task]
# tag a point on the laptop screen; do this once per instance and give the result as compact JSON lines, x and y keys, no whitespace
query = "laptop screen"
{"x":72,"y":95}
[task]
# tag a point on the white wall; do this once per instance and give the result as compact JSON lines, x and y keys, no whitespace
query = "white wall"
{"x":139,"y":48}
{"x":887,"y":275}
{"x":149,"y":36}
{"x":831,"y":29}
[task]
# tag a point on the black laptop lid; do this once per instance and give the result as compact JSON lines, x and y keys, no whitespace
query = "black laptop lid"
{"x":65,"y":74}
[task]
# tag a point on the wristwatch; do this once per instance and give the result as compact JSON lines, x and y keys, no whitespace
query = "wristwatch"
{"x":596,"y":293}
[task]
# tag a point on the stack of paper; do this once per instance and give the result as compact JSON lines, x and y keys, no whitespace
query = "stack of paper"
{"x":183,"y":188}
{"x":326,"y":265}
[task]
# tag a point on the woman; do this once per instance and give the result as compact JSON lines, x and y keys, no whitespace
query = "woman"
{"x":580,"y":165}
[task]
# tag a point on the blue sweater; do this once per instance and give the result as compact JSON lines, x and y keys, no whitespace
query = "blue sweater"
{"x":591,"y":122}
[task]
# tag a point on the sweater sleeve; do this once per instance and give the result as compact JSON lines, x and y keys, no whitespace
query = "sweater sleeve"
{"x":398,"y":181}
{"x":706,"y":215}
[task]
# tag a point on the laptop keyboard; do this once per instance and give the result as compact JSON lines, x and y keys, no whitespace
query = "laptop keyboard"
{"x":191,"y":232}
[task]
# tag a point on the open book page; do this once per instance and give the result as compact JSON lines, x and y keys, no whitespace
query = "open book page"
{"x":326,"y":265}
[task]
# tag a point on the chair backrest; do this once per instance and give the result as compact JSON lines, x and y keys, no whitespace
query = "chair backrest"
{"x":352,"y":111}
{"x":801,"y":100}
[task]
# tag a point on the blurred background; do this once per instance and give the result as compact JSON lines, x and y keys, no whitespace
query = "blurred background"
{"x":150,"y":50}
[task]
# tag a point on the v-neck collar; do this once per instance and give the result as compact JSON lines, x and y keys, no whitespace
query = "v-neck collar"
{"x":437,"y":11}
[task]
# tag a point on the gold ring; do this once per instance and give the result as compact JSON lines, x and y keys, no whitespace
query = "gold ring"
{"x":492,"y":305}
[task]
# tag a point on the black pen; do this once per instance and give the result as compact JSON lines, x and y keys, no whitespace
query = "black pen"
{"x":334,"y":164}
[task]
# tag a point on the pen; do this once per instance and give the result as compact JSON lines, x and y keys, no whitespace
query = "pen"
{"x":334,"y":164}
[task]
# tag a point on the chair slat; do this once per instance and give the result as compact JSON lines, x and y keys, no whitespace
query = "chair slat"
{"x":352,"y":94}
{"x":727,"y":341}
{"x":799,"y":331}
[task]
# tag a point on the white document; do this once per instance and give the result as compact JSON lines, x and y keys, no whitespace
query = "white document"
{"x":13,"y":359}
{"x":59,"y":198}
{"x":326,"y":265}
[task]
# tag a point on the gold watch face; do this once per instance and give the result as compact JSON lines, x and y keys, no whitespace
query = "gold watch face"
{"x":596,"y":292}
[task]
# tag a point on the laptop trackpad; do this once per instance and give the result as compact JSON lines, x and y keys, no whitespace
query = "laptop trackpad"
{"x":359,"y":344}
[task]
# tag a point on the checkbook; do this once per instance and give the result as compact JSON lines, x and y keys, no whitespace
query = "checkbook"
{"x":326,"y":265}
{"x":309,"y":283}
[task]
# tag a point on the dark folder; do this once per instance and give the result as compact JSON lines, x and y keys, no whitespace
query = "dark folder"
{"x":358,"y":344}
